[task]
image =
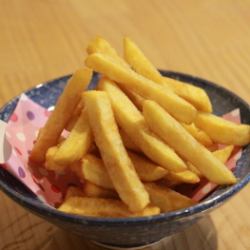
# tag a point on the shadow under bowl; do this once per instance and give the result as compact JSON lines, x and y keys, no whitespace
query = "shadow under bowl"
{"x":130,"y":232}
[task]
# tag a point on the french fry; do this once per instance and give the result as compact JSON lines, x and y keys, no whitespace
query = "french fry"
{"x":94,"y":171}
{"x":77,"y":143}
{"x":186,"y":176}
{"x":135,"y":98}
{"x":100,"y":207}
{"x":92,"y":190}
{"x":138,"y":61}
{"x":198,"y":134}
{"x":132,"y":122}
{"x":141,"y":64}
{"x":221,"y":154}
{"x":223,"y":131}
{"x":148,"y":89}
{"x":77,"y":112}
{"x":50,"y":163}
{"x":61,"y":115}
{"x":147,"y":170}
{"x":128,"y":143}
{"x":194,"y":95}
{"x":73,"y":191}
{"x":114,"y":155}
{"x":169,"y":183}
{"x":177,"y":137}
{"x":100,"y":45}
{"x":76,"y":168}
{"x":224,"y":153}
{"x":167,"y":199}
{"x":194,"y":169}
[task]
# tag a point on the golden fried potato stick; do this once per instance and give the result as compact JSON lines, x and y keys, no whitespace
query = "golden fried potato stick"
{"x":100,"y":207}
{"x":77,"y":112}
{"x":127,"y":78}
{"x":221,"y":154}
{"x":194,"y":95}
{"x":135,"y":98}
{"x":73,"y":191}
{"x":132,"y":122}
{"x":77,"y":143}
{"x":50,"y":164}
{"x":92,"y":190}
{"x":147,"y":170}
{"x":141,"y":64}
{"x":198,"y":134}
{"x":61,"y":114}
{"x":113,"y":152}
{"x":223,"y":131}
{"x":194,"y":169}
{"x":94,"y":171}
{"x":185,"y":145}
{"x":186,"y":176}
{"x":224,"y":153}
{"x":128,"y":143}
{"x":100,"y":45}
{"x":167,"y":199}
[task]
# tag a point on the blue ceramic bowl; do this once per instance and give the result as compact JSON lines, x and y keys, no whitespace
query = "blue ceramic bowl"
{"x":128,"y":232}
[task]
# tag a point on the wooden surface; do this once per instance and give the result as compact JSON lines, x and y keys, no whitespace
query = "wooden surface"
{"x":43,"y":39}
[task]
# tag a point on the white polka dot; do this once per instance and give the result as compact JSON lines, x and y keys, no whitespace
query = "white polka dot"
{"x":206,"y":189}
{"x":24,"y":98}
{"x":14,"y":153}
{"x":8,"y":135}
{"x":21,"y":137}
{"x":51,"y":108}
{"x":235,"y":113}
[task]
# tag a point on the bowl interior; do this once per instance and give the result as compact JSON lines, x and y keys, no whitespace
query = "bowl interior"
{"x":46,"y":94}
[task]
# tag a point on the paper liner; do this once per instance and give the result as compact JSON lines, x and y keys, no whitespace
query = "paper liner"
{"x":21,"y":131}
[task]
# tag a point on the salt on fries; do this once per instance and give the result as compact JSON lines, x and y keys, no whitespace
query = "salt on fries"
{"x":134,"y":138}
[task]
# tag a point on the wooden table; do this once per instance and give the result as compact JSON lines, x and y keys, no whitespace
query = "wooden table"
{"x":40,"y":40}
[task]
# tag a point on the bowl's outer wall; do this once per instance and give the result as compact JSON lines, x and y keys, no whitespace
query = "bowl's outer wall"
{"x":125,"y":233}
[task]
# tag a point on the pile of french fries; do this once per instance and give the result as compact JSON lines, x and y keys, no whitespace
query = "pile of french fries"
{"x":134,"y":138}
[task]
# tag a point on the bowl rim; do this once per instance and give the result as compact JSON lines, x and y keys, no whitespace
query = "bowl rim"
{"x":42,"y":209}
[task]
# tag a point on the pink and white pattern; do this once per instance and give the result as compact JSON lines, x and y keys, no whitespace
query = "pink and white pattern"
{"x":21,"y":131}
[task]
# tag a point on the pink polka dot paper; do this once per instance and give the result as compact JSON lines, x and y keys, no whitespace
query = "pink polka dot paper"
{"x":21,"y":133}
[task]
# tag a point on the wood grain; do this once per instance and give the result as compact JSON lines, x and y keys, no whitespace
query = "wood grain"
{"x":44,"y":39}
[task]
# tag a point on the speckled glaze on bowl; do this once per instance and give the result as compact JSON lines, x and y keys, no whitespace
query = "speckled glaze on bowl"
{"x":130,"y":232}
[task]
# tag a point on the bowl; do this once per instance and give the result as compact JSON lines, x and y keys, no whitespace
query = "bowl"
{"x":130,"y":232}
